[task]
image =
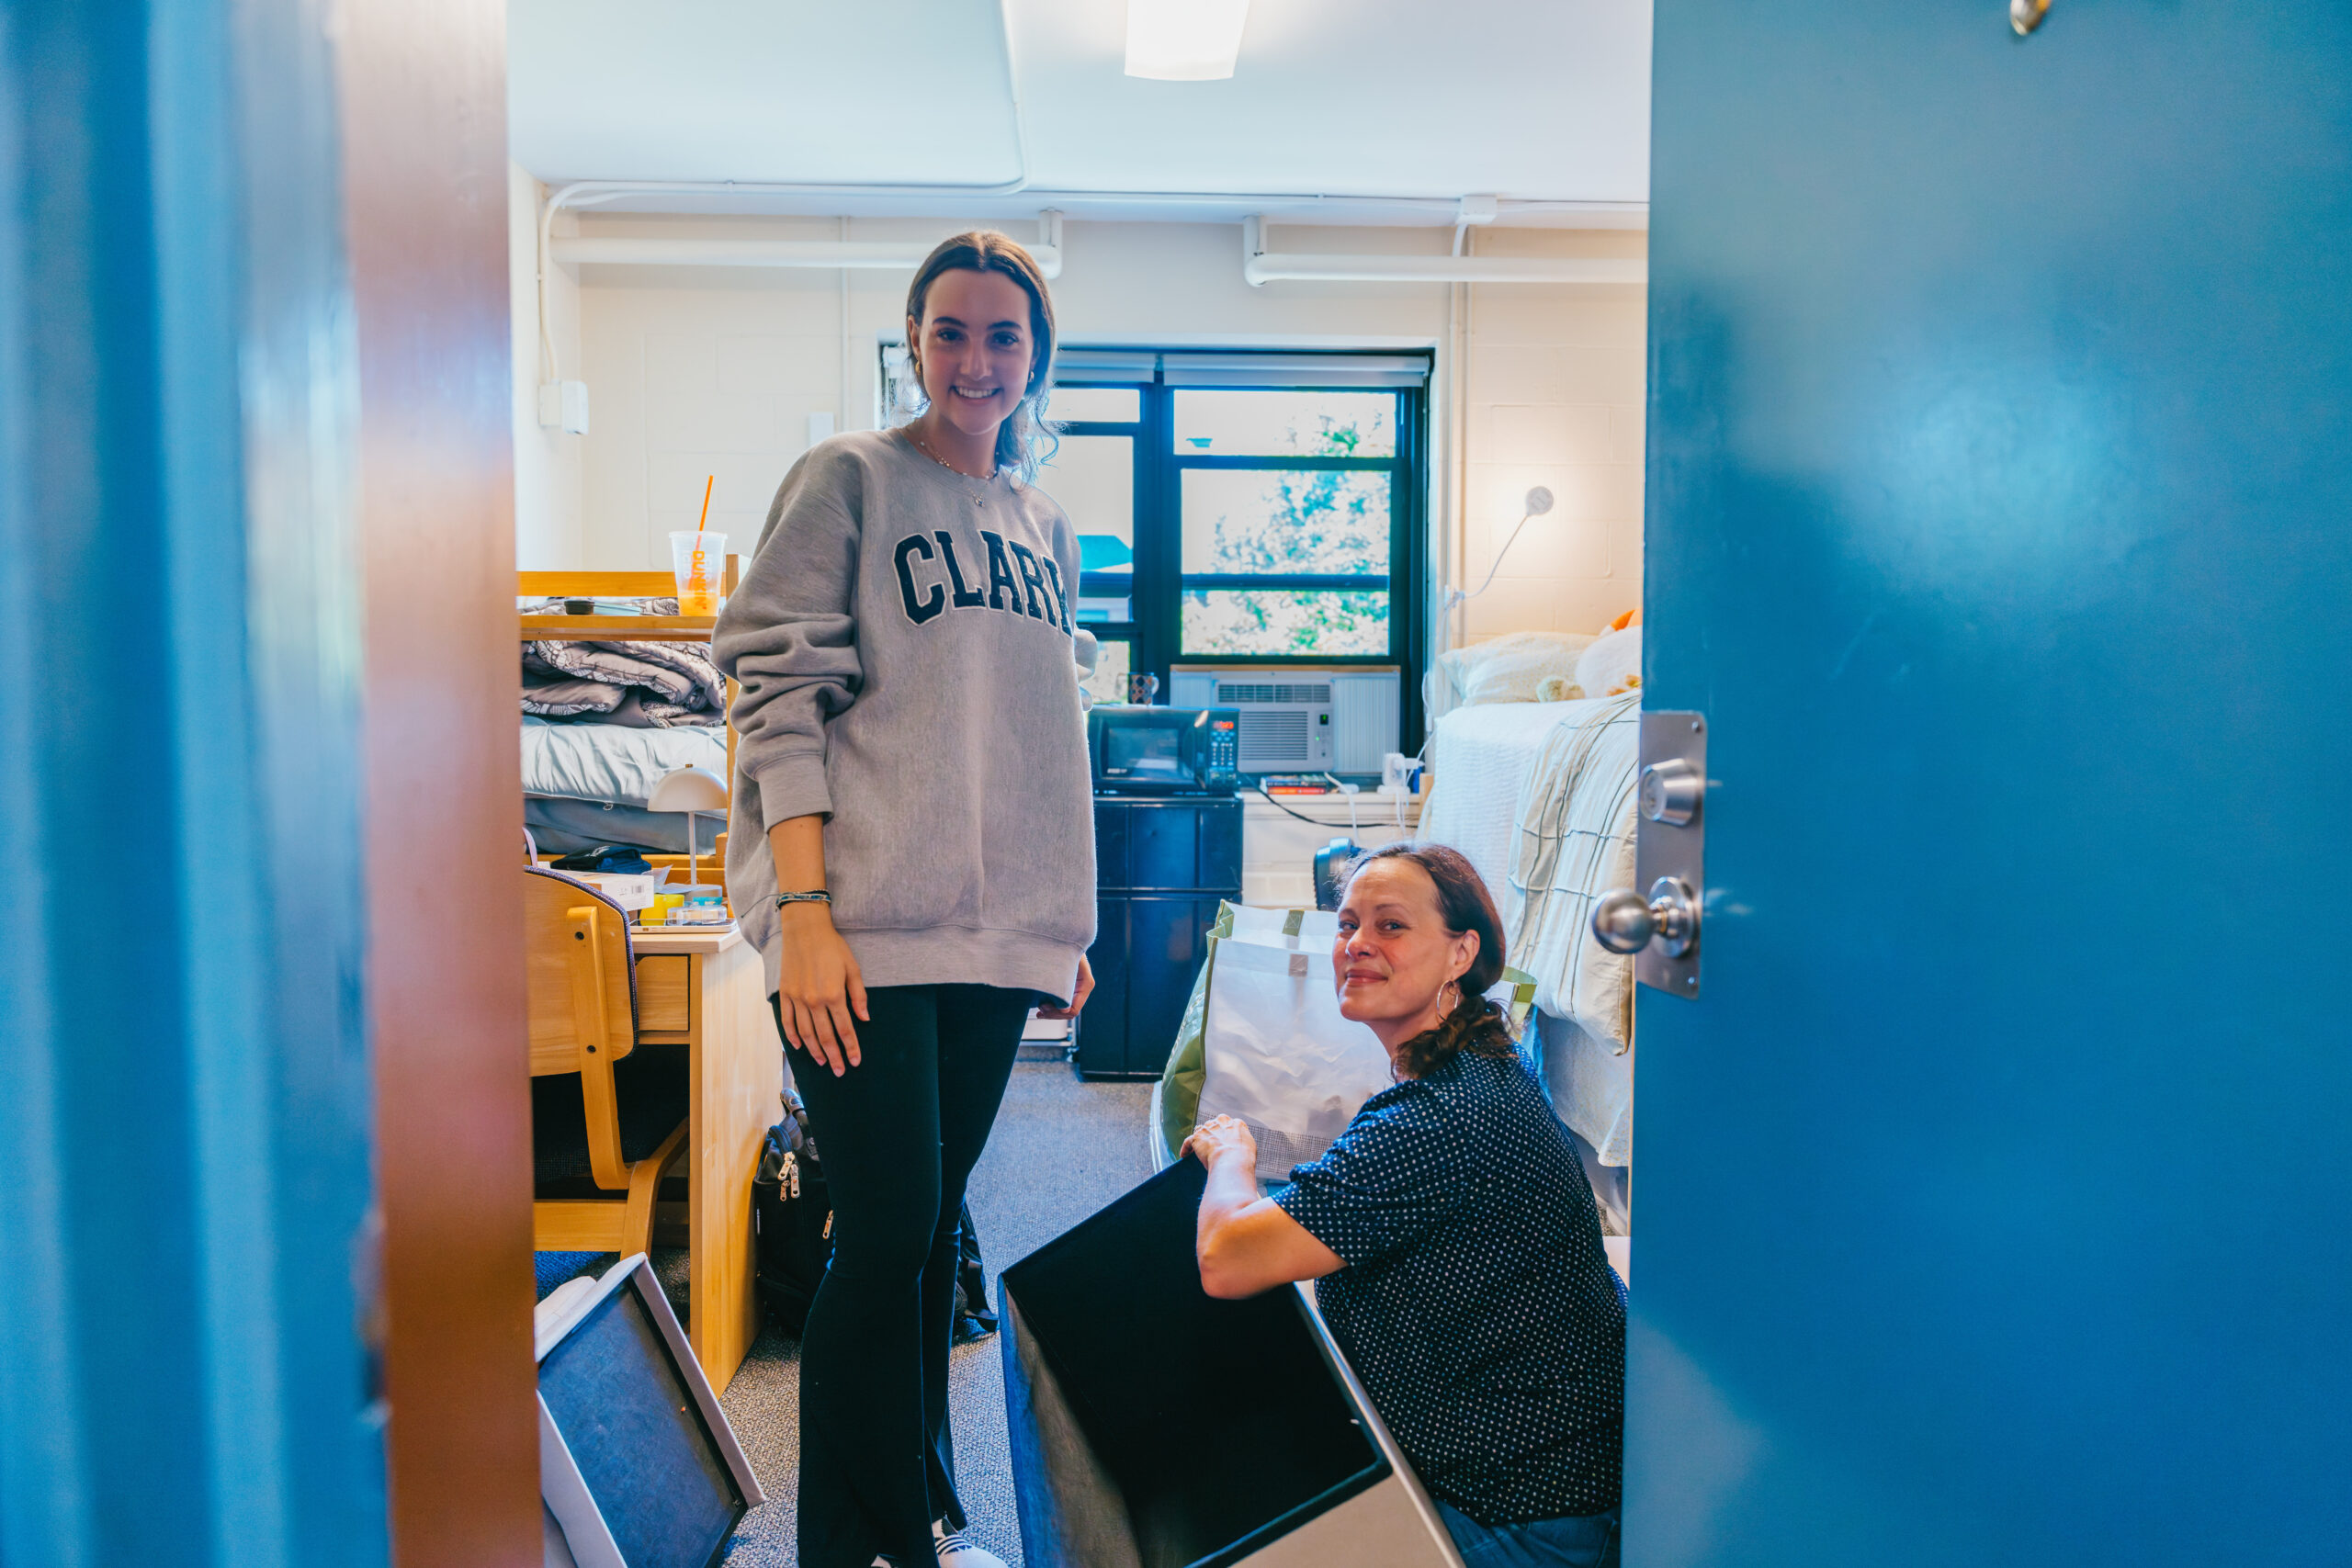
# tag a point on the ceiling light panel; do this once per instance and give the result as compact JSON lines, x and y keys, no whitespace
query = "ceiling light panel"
{"x":1184,"y":41}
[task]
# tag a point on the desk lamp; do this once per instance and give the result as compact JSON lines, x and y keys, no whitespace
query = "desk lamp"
{"x":1538,"y":502}
{"x":692,"y":791}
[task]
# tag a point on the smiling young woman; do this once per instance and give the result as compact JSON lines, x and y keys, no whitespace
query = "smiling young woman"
{"x":976,"y":337}
{"x":912,"y":847}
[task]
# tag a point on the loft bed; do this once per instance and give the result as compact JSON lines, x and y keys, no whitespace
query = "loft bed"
{"x":585,"y":780}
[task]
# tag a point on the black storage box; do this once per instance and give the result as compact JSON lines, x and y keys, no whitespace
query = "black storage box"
{"x":1154,"y":1427}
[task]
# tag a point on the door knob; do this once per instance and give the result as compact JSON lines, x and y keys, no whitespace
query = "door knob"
{"x":1624,"y":921}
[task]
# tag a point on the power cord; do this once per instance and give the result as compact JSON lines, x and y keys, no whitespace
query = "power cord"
{"x":1278,"y":806}
{"x":1350,"y":791}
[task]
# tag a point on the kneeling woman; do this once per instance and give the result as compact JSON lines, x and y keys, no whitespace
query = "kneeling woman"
{"x":1451,"y":1233}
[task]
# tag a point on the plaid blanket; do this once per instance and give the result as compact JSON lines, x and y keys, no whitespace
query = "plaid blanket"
{"x":1574,"y":841}
{"x":649,"y":684}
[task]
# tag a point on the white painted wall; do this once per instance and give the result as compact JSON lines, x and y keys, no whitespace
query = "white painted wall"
{"x":547,"y":513}
{"x":1555,"y":397}
{"x":714,"y":371}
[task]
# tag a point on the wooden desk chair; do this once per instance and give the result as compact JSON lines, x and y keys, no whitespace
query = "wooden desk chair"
{"x":608,"y":1112}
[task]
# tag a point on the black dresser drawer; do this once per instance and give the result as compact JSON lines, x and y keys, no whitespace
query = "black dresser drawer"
{"x":1109,"y":843}
{"x":1162,"y":867}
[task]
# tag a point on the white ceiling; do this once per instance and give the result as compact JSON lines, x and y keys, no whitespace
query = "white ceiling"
{"x":1532,"y":100}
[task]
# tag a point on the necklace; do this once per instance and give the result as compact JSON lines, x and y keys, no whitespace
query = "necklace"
{"x":924,"y":447}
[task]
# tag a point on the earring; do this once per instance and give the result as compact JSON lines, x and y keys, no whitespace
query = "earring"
{"x":1452,"y":991}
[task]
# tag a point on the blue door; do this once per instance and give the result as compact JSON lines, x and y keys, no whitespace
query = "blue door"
{"x":1996,"y":1197}
{"x":188,"y":1373}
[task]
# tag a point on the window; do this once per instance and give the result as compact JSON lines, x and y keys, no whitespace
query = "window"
{"x":1279,"y":558}
{"x":1240,"y":508}
{"x":1245,"y":508}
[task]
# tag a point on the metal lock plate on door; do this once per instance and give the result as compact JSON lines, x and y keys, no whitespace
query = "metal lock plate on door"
{"x":1660,"y":923}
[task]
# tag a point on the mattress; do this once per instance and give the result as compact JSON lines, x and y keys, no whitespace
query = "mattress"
{"x":585,"y":784}
{"x":1479,"y":757}
{"x":1590,"y":1082}
{"x":613,"y":763}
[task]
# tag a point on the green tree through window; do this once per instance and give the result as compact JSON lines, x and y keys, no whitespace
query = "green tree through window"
{"x":1296,"y":521}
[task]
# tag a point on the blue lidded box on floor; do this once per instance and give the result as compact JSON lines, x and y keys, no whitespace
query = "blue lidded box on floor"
{"x":638,"y":1465}
{"x":1152,"y":1425}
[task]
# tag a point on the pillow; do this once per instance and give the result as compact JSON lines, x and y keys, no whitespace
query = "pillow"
{"x":1612,"y":664}
{"x":1509,"y":669}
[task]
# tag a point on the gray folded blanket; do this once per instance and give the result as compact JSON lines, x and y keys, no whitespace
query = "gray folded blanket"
{"x":653,"y":685}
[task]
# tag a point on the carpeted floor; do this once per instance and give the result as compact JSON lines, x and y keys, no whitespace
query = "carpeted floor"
{"x":1061,"y":1150}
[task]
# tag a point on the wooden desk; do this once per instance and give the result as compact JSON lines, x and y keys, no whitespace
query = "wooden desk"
{"x":706,"y":989}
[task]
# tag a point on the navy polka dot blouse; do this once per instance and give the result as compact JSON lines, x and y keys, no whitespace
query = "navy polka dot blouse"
{"x":1477,"y":1303}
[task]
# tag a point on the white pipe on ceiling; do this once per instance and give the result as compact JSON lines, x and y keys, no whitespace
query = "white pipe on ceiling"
{"x":1260,"y":266}
{"x":587,"y":193}
{"x":612,"y":250}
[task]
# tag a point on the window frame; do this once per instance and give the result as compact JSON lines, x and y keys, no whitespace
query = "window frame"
{"x":1157,"y":581}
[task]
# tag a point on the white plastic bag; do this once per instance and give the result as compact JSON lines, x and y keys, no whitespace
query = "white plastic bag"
{"x":1276,"y":1052}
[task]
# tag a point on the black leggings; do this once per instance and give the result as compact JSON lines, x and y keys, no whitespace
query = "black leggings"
{"x":898,"y":1135}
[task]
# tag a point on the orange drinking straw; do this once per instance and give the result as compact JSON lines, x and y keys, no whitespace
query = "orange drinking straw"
{"x":701,"y":574}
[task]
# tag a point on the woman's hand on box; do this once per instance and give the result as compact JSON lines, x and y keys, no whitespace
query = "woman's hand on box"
{"x":1222,"y":1138}
{"x":1246,"y":1243}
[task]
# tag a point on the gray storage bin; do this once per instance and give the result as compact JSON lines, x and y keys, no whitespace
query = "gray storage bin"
{"x":1153,"y":1426}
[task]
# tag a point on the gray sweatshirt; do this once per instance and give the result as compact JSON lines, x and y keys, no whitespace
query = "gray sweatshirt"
{"x":902,"y":641}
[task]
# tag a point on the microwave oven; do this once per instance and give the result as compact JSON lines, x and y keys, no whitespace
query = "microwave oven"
{"x":1156,"y":750}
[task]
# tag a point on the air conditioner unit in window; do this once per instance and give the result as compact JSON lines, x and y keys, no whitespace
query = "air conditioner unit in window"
{"x":1298,"y":721}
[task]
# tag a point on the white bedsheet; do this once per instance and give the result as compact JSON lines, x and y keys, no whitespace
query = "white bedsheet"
{"x":613,"y":763}
{"x":1480,"y":757}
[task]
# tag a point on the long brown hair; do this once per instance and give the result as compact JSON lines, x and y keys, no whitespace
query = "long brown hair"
{"x":1474,"y":1025}
{"x":1018,"y":439}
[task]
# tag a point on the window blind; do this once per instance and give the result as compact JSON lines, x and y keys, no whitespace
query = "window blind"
{"x":1111,"y":366}
{"x":1104,"y":365}
{"x":1294,"y":370}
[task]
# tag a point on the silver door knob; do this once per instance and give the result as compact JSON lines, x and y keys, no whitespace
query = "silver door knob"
{"x":1624,"y":921}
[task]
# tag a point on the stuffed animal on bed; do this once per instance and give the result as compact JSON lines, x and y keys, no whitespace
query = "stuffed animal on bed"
{"x":1513,"y":668}
{"x":1612,"y":664}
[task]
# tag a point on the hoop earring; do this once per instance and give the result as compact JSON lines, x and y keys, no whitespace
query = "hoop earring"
{"x":1454,"y":991}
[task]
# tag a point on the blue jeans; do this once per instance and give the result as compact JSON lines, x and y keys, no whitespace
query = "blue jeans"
{"x":1587,"y":1541}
